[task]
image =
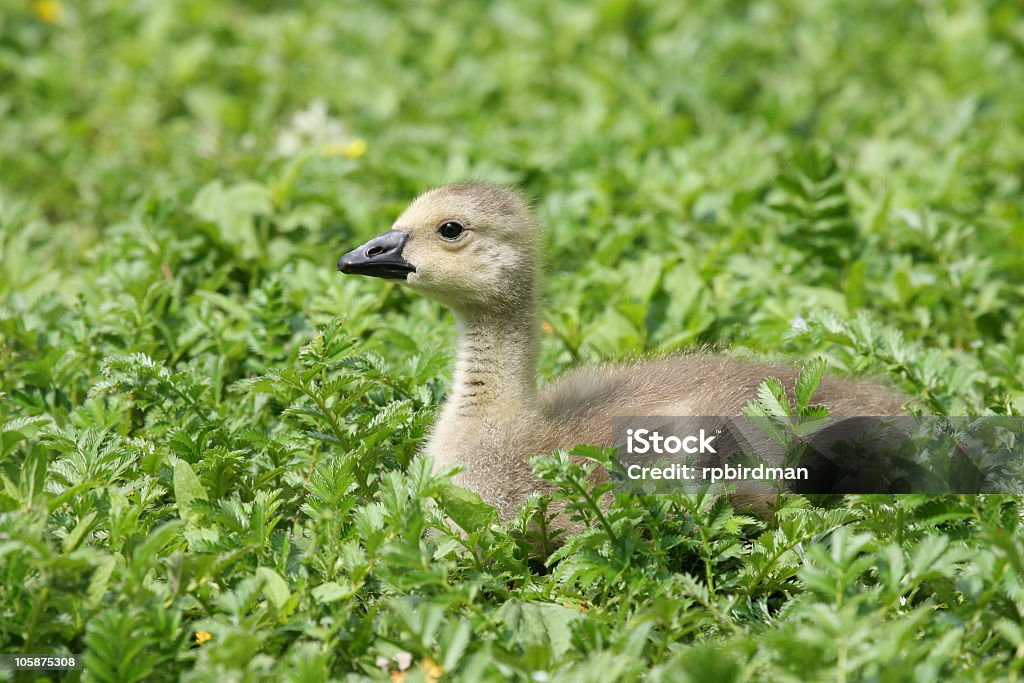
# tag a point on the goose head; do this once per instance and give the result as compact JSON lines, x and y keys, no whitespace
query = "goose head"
{"x":473,"y":247}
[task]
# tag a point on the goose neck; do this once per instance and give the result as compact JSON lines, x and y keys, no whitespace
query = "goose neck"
{"x":495,"y":367}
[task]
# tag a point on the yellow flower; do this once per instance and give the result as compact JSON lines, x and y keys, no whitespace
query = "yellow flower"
{"x":350,"y":150}
{"x":355,"y":149}
{"x":47,"y":11}
{"x":432,"y":669}
{"x":203,"y":636}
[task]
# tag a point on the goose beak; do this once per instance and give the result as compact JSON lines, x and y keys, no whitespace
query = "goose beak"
{"x":380,"y":257}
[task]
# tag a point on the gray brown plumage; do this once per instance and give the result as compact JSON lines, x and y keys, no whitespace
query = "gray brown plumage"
{"x":475,"y":248}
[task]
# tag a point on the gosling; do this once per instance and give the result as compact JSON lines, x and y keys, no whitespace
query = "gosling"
{"x":474,"y":247}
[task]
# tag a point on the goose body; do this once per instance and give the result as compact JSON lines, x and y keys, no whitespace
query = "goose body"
{"x":474,"y":247}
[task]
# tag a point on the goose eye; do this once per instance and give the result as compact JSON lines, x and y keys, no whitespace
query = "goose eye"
{"x":450,"y":230}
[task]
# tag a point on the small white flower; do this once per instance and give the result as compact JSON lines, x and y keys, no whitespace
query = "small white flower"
{"x":314,"y":128}
{"x":540,"y":676}
{"x":311,"y":120}
{"x":798,"y":323}
{"x":404,"y":660}
{"x":288,"y":143}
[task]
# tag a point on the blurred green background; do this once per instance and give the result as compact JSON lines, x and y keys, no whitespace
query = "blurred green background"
{"x":655,"y":139}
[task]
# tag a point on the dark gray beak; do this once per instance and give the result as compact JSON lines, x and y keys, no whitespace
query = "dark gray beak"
{"x":380,"y":257}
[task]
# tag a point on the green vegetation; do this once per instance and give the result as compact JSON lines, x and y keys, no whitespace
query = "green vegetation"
{"x":208,"y":437}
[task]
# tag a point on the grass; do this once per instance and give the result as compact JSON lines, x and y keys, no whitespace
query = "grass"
{"x":208,"y":438}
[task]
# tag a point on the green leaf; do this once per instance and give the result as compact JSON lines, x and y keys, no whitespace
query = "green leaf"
{"x":466,"y":508}
{"x":71,"y":540}
{"x":232,"y":211}
{"x":332,"y":591}
{"x":807,"y":382}
{"x":274,"y":586}
{"x":100,"y":580}
{"x":187,"y":489}
{"x":856,"y":285}
{"x":772,"y":398}
{"x":539,"y":623}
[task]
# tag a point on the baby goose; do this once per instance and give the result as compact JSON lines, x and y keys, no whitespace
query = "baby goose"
{"x":474,"y":247}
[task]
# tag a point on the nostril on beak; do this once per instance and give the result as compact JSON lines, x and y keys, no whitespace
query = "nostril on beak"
{"x":374,"y":251}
